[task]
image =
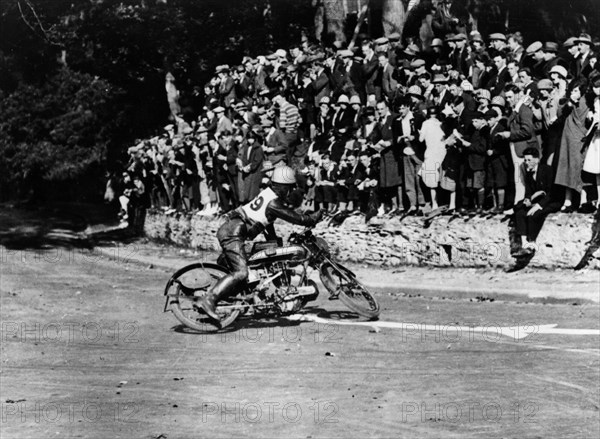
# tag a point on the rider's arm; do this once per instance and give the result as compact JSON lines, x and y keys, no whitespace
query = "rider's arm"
{"x":276,"y":209}
{"x":270,"y":234}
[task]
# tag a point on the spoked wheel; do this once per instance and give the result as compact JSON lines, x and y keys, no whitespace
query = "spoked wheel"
{"x":186,"y":284}
{"x":351,"y":292}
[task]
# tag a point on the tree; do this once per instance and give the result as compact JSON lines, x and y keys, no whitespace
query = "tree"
{"x":58,"y":131}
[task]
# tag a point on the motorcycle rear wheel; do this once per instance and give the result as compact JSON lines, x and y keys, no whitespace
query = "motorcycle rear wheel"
{"x":194,"y":278}
{"x":351,"y":292}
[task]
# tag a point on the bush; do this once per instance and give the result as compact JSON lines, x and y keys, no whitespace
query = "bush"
{"x":57,"y":132}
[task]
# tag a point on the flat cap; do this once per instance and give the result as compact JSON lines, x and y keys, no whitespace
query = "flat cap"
{"x":570,"y":42}
{"x":381,"y":41}
{"x":394,"y":36}
{"x":219,"y":109}
{"x":417,"y":63}
{"x":534,"y":47}
{"x":476,"y":37}
{"x":459,"y":37}
{"x":550,"y":46}
{"x":497,"y":37}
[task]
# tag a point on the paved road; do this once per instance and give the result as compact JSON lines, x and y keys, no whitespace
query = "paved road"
{"x":87,"y":352}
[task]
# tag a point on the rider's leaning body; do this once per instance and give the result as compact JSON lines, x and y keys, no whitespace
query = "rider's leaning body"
{"x":245,"y":223}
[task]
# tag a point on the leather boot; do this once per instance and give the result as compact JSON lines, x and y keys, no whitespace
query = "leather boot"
{"x":208,"y":304}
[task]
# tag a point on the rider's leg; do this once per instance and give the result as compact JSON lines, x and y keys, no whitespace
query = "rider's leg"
{"x":232,"y":238}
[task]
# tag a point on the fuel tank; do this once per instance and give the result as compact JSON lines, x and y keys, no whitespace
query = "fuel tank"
{"x":292,"y":253}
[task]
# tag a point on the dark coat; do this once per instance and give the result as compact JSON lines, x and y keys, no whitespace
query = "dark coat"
{"x":321,"y":87}
{"x":371,"y":77}
{"x":543,"y":182}
{"x":522,"y":130}
{"x":250,"y":181}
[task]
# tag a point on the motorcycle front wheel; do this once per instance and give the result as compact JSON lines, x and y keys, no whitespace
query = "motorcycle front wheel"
{"x":186,"y":284}
{"x":341,"y":281}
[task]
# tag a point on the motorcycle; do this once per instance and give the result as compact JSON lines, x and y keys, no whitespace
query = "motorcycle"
{"x":278,"y":284}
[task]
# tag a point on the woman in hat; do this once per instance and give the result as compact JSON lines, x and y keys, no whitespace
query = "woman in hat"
{"x":435,"y":150}
{"x":250,"y":164}
{"x":570,"y":158}
{"x":591,"y":162}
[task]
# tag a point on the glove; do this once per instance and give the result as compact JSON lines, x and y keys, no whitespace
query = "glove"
{"x":317,"y":216}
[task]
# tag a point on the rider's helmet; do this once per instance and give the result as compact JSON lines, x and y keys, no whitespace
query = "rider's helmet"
{"x":283,"y":181}
{"x":283,"y":175}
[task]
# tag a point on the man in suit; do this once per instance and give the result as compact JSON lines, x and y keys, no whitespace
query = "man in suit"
{"x":389,"y":84}
{"x":531,"y":212}
{"x":501,"y":77}
{"x":226,"y":86}
{"x":275,"y":146}
{"x":521,"y":133}
{"x":320,"y":83}
{"x":223,"y":122}
{"x":372,"y":82}
{"x":583,"y":67}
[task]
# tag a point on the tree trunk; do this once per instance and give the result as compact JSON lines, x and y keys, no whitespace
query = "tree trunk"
{"x":394,"y":16}
{"x":319,"y":19}
{"x":335,"y":17}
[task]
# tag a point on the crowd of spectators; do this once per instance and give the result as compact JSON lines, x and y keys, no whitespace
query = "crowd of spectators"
{"x":386,"y":128}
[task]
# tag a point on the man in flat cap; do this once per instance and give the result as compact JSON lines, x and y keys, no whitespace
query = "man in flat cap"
{"x":460,"y":54}
{"x":389,"y":84}
{"x":223,"y":122}
{"x":535,"y":60}
{"x":372,"y":80}
{"x":583,"y":68}
{"x":497,"y":43}
{"x":320,"y":84}
{"x":551,"y":58}
{"x":573,"y":49}
{"x":394,"y":47}
{"x":226,"y":90}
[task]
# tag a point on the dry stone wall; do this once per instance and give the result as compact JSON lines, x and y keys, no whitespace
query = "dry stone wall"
{"x":449,"y":242}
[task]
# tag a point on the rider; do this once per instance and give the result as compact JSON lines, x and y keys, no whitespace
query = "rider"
{"x":246,"y":222}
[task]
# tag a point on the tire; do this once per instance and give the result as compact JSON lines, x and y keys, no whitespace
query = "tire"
{"x":189,"y":280}
{"x":351,"y":292}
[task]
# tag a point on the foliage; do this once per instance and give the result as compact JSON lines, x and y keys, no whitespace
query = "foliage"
{"x":59,"y":130}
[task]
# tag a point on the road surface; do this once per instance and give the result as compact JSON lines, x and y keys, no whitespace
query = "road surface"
{"x":88,"y":352}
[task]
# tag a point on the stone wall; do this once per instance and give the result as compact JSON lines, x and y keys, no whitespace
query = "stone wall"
{"x":456,"y":242}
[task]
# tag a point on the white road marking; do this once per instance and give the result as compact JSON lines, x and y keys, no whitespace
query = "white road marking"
{"x":517,"y":332}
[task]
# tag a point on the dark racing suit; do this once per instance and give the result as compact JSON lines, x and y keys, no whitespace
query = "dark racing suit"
{"x":246,"y":222}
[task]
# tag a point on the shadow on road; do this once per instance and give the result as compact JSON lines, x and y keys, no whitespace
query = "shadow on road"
{"x":245,"y":323}
{"x":24,"y":226}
